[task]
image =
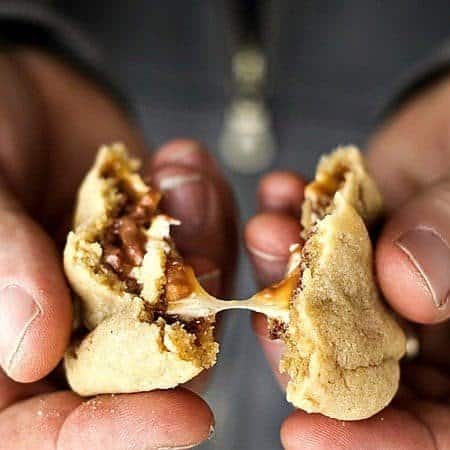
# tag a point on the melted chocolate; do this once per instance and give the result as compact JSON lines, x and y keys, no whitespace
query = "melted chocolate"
{"x":123,"y":242}
{"x":123,"y":246}
{"x":277,"y":329}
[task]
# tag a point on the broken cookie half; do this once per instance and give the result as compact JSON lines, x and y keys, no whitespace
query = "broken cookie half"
{"x":342,"y":345}
{"x":124,"y":269}
{"x":146,"y":323}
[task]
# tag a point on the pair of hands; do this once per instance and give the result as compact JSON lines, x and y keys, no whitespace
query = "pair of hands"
{"x":51,"y":123}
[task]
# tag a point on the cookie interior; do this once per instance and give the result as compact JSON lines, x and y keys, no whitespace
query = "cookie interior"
{"x":123,"y":248}
{"x":343,"y":171}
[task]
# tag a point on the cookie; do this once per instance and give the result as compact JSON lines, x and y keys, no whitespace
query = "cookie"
{"x":342,"y":344}
{"x":124,"y":269}
{"x":146,"y":323}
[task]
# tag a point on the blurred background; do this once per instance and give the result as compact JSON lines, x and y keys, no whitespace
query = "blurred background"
{"x":268,"y":84}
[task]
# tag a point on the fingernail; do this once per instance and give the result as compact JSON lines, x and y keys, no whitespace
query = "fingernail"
{"x":186,"y":198}
{"x":18,"y":310}
{"x":180,"y":152}
{"x":210,"y":436}
{"x":273,"y":350}
{"x":176,"y":181}
{"x":430,"y":255}
{"x":266,"y":256}
{"x":212,"y":432}
{"x":178,"y":448}
{"x":269,"y":268}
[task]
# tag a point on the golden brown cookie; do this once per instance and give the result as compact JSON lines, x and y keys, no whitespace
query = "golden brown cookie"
{"x":124,"y":268}
{"x":343,"y":346}
{"x":146,"y":323}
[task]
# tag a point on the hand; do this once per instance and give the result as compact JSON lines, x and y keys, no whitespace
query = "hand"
{"x":410,"y":158}
{"x":52,"y":120}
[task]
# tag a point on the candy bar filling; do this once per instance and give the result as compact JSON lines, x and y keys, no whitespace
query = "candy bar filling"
{"x":125,"y":244}
{"x":138,"y":251}
{"x":124,"y":241}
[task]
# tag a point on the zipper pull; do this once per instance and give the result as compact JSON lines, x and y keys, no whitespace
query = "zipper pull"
{"x":247,"y":142}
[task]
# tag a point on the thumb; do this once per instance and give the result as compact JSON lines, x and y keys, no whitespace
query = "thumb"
{"x":268,"y":237}
{"x":35,"y":307}
{"x":413,"y":256}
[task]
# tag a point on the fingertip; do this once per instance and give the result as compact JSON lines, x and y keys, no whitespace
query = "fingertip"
{"x":160,"y":419}
{"x":273,"y":348}
{"x":272,"y":233}
{"x":301,"y":431}
{"x":196,"y":193}
{"x":281,"y":191}
{"x":207,"y":272}
{"x":185,"y":193}
{"x":195,"y":200}
{"x":413,"y":259}
{"x":36,"y":422}
{"x":193,"y":156}
{"x":268,"y":237}
{"x":402,"y":285}
{"x":183,"y":152}
{"x":260,"y":325}
{"x":12,"y":392}
{"x":309,"y":431}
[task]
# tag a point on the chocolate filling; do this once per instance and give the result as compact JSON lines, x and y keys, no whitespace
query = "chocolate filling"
{"x":123,"y":246}
{"x":123,"y":242}
{"x":277,"y":329}
{"x":198,"y":327}
{"x":177,"y":287}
